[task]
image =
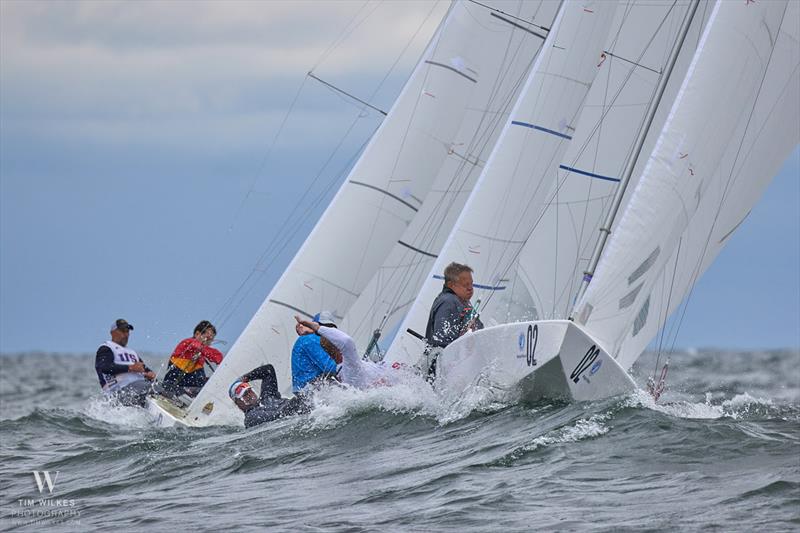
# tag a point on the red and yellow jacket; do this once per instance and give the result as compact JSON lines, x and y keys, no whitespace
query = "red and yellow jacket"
{"x":191,"y":354}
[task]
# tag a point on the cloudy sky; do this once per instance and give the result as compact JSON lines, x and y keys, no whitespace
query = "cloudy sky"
{"x":153,"y":155}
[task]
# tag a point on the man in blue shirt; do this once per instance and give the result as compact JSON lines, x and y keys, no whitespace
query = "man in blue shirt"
{"x":310,"y":361}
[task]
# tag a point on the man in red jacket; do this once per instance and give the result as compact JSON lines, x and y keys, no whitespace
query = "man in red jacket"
{"x":186,"y":372}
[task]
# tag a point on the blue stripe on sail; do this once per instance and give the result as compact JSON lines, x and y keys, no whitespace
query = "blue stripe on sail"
{"x":590,"y":174}
{"x":535,"y":127}
{"x":476,"y":285}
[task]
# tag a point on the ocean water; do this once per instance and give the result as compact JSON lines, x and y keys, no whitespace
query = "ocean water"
{"x":719,"y":452}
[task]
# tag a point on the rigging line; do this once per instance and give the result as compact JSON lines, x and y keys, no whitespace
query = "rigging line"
{"x":413,"y":114}
{"x":494,"y":9}
{"x":255,"y":180}
{"x":590,"y":137}
{"x":346,"y":32}
{"x":414,"y":272}
{"x":669,"y":302}
{"x":290,"y":236}
{"x":731,"y":177}
{"x":273,"y":244}
{"x":420,"y":61}
{"x":356,"y":98}
{"x":264,"y":159}
{"x":632,"y":62}
{"x":495,"y":122}
{"x":485,"y":135}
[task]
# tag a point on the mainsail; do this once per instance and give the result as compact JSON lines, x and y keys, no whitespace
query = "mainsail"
{"x":730,"y":127}
{"x":722,"y":118}
{"x":527,"y":226}
{"x":472,"y":66}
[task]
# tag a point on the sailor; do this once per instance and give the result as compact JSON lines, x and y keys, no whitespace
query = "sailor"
{"x":270,"y":406}
{"x":122,"y":373}
{"x":452,"y":313}
{"x":310,"y":361}
{"x":186,"y":364}
{"x":353,"y":370}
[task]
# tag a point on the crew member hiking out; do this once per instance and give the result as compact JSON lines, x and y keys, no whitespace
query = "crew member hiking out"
{"x":270,"y":406}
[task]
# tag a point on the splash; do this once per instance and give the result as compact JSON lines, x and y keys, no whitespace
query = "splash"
{"x":581,"y":429}
{"x":738,"y":407}
{"x":334,"y":405}
{"x":111,"y":412}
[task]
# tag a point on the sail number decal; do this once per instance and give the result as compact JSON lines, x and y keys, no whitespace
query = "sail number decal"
{"x":585,"y":363}
{"x":530,"y":346}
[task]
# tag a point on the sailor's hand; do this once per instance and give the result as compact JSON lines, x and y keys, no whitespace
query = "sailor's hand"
{"x":313,"y":326}
{"x":150,"y":375}
{"x":138,"y":366}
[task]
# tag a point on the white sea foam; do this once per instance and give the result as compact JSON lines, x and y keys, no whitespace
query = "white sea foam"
{"x":412,"y":395}
{"x":111,"y":412}
{"x":736,"y":407}
{"x":584,"y":428}
{"x":334,"y":404}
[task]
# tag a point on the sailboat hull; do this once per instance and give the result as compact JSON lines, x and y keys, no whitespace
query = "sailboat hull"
{"x":543,"y":359}
{"x":165,"y":413}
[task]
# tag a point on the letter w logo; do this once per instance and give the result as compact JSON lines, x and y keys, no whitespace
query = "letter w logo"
{"x":40,"y":482}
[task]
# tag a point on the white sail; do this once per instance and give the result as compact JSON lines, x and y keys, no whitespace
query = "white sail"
{"x":700,"y":152}
{"x":747,"y":168}
{"x":513,"y":188}
{"x":551,"y":265}
{"x":385,"y":300}
{"x":463,"y":69}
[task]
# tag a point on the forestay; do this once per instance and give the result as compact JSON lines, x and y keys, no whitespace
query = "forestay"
{"x":467,"y":66}
{"x":703,"y":174}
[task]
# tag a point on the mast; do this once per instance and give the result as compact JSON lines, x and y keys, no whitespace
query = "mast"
{"x":605,"y":229}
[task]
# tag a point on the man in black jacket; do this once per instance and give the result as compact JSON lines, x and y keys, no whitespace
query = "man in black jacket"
{"x":452,"y":313}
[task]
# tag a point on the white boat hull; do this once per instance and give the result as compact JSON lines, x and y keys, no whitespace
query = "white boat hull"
{"x":165,"y":413}
{"x":544,"y":359}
